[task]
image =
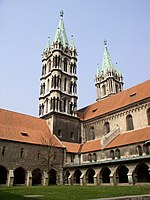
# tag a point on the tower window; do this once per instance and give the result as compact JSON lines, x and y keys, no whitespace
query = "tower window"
{"x":65,"y":83}
{"x":129,"y":122}
{"x":21,"y":153}
{"x":3,"y":150}
{"x":60,"y":133}
{"x":65,"y":65}
{"x":104,"y":90}
{"x":72,"y":135}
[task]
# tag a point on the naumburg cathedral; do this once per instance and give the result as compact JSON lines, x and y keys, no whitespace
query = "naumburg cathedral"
{"x":105,"y":143}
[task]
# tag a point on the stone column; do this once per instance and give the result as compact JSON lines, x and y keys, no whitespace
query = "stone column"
{"x":130,"y":179}
{"x":82,"y":179}
{"x":45,"y":179}
{"x":10,"y":178}
{"x":96,"y":178}
{"x":28,"y":181}
{"x":70,"y":179}
{"x":112,"y":178}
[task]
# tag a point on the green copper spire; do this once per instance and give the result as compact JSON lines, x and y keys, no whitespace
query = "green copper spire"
{"x":48,"y":45}
{"x":61,"y":35}
{"x":72,"y":46}
{"x":106,"y":62}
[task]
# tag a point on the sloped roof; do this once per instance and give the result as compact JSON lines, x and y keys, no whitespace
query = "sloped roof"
{"x":24,"y":128}
{"x":89,"y":146}
{"x":122,"y":99}
{"x":72,"y":147}
{"x":130,"y":137}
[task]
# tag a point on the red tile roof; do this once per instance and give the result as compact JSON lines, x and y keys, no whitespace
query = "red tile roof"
{"x":89,"y":146}
{"x":130,"y":137}
{"x":72,"y":147}
{"x":24,"y":128}
{"x":122,"y":99}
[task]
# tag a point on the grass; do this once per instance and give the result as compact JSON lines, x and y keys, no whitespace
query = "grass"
{"x":70,"y":192}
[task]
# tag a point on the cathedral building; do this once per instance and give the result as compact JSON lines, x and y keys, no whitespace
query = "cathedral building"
{"x":105,"y":143}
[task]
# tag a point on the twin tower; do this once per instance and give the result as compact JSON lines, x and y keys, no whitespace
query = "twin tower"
{"x":58,"y":83}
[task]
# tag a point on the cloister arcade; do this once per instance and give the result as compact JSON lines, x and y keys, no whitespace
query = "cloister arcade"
{"x":113,"y":175}
{"x":20,"y":176}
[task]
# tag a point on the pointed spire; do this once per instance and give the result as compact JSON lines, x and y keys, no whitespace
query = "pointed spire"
{"x":72,"y":46}
{"x":106,"y":62}
{"x":61,"y":35}
{"x":48,"y":45}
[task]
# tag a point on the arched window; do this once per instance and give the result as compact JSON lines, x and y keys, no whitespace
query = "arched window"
{"x":46,"y":105}
{"x":64,"y":105}
{"x":90,"y":157}
{"x":22,"y":152}
{"x":95,"y":157}
{"x":65,"y":83}
{"x":104,"y":90}
{"x":117,"y":153}
{"x":65,"y":65}
{"x":106,"y":127}
{"x":139,"y":150}
{"x":148,"y":116}
{"x":59,"y":133}
{"x":72,"y":135}
{"x":112,"y":155}
{"x":129,"y":122}
{"x":48,"y":85}
{"x":146,"y":149}
{"x":117,"y":88}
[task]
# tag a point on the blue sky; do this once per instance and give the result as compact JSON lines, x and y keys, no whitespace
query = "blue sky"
{"x":25,"y":26}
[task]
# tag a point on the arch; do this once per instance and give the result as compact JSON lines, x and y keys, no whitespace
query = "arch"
{"x":66,"y":177}
{"x":106,"y":127}
{"x":3,"y":175}
{"x":141,"y":173}
{"x":77,"y":175}
{"x":148,"y":116}
{"x":117,"y":153}
{"x":90,"y":157}
{"x":36,"y":177}
{"x":52,"y":177}
{"x":139,"y":150}
{"x":122,"y":174}
{"x":65,"y":64}
{"x":104,"y":90}
{"x":95,"y":157}
{"x":146,"y":149}
{"x":112,"y":154}
{"x":48,"y":85}
{"x":129,"y":122}
{"x":90,"y":175}
{"x":19,"y":176}
{"x":104,"y":175}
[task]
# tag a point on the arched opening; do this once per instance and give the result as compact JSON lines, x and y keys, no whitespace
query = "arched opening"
{"x":66,"y":177}
{"x":112,"y":154}
{"x":139,"y":150}
{"x":90,"y":175}
{"x":146,"y":149}
{"x":19,"y":176}
{"x":122,"y":174}
{"x":105,"y":173}
{"x":36,"y":177}
{"x":141,"y":173}
{"x":95,"y":157}
{"x":3,"y":175}
{"x":106,"y":127}
{"x":104,"y":90}
{"x":90,"y":157}
{"x":117,"y":153}
{"x":52,"y":177}
{"x":65,"y":65}
{"x":148,"y":116}
{"x":77,"y":175}
{"x":129,"y":122}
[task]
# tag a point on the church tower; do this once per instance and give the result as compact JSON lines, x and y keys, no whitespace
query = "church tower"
{"x":109,"y":80}
{"x":58,"y":83}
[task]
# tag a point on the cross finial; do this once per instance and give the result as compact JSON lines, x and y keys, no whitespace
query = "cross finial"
{"x":105,"y":42}
{"x":61,"y":13}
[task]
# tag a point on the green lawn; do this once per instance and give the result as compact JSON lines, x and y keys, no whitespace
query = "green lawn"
{"x":70,"y":192}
